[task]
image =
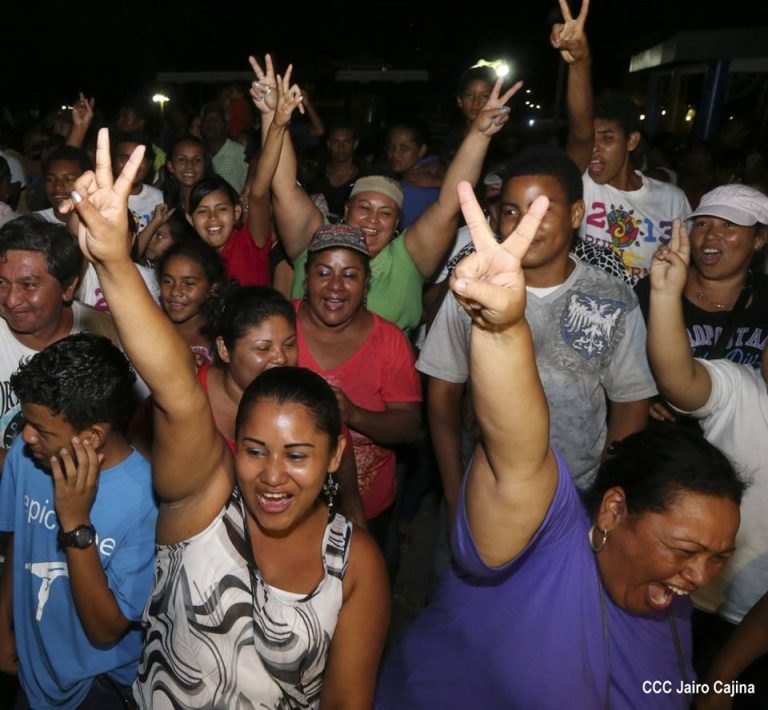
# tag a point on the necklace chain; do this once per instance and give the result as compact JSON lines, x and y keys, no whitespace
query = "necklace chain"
{"x":701,"y":296}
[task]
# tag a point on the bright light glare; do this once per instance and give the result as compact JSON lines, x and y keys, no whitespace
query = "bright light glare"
{"x":160,"y":98}
{"x":531,"y":122}
{"x":642,"y":117}
{"x":500,"y":66}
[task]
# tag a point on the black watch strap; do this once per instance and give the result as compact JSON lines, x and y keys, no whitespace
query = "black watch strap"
{"x":81,"y":537}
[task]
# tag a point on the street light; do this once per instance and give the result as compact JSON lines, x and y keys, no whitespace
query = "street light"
{"x":161,"y":99}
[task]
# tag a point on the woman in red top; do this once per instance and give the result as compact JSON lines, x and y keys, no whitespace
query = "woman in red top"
{"x":366,"y":359}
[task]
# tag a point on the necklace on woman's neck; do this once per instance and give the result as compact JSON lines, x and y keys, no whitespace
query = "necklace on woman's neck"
{"x":701,"y":296}
{"x":720,"y":305}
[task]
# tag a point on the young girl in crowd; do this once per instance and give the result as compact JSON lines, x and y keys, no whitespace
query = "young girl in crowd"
{"x":166,"y":228}
{"x":263,"y":593}
{"x":191,"y":275}
{"x":188,"y":163}
{"x":215,"y":214}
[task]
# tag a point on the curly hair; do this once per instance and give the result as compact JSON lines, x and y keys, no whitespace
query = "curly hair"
{"x":83,"y":377}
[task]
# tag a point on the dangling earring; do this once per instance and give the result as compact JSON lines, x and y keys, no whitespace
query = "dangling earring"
{"x":330,"y":491}
{"x":601,"y":545}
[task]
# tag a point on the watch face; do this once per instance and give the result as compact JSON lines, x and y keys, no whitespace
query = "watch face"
{"x":83,"y":537}
{"x":80,"y":537}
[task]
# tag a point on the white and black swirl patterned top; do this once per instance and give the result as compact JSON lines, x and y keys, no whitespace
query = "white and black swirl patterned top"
{"x":219,"y":637}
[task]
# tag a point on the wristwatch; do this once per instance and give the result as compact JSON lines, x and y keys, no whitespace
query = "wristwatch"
{"x":81,"y":537}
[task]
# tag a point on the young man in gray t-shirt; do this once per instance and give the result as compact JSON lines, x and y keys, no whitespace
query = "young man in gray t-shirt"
{"x":588,"y":334}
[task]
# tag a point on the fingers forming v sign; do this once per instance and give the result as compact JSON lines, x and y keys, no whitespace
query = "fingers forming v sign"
{"x":263,"y":90}
{"x":669,"y":268}
{"x":489,"y":283}
{"x":569,"y":36}
{"x":102,"y":205}
{"x":288,"y":98}
{"x":495,"y":113}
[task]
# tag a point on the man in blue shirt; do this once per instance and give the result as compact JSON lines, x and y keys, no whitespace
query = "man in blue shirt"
{"x":78,"y":500}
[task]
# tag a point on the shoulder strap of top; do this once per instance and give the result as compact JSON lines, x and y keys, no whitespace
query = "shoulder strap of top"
{"x":337,"y":542}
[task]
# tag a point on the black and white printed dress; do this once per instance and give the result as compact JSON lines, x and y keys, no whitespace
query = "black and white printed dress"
{"x":219,"y":637}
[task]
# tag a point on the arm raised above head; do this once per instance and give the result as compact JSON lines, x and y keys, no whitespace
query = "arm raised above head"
{"x":296,"y":216}
{"x":514,"y":473}
{"x":187,"y":449}
{"x":683,"y":381}
{"x":430,"y":237}
{"x":570,"y":40}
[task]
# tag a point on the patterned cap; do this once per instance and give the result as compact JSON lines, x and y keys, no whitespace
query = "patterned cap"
{"x":341,"y":236}
{"x":736,"y":203}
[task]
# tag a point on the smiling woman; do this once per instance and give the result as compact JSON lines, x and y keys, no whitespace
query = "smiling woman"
{"x":571,"y":605}
{"x":725,"y":301}
{"x":262,"y":590}
{"x":367,"y":360}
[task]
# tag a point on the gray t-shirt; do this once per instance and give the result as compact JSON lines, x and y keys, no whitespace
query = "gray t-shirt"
{"x":589,"y":338}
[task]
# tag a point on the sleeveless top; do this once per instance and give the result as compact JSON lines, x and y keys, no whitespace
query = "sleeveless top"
{"x":218,"y":636}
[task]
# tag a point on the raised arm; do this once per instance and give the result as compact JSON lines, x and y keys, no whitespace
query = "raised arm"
{"x":316,"y":125}
{"x":296,"y":216}
{"x":514,"y":473}
{"x":160,"y":215}
{"x":684,"y":382}
{"x":288,"y":98}
{"x":570,"y":40}
{"x":187,"y":454}
{"x":82,"y":117}
{"x":430,"y":237}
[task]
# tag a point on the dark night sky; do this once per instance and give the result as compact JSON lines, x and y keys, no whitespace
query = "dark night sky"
{"x":115,"y":51}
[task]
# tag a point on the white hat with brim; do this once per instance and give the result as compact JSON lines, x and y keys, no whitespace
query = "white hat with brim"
{"x":739,"y":204}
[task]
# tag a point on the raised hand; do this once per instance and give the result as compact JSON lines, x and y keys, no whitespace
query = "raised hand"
{"x":263,"y":90}
{"x":288,"y":98}
{"x":489,"y":283}
{"x":82,"y":111}
{"x":495,"y":113}
{"x":161,"y":214}
{"x":568,"y":37}
{"x":101,"y":204}
{"x":669,"y":267}
{"x":75,"y":482}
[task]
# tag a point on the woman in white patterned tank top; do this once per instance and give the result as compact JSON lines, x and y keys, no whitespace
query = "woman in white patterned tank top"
{"x":263,"y":597}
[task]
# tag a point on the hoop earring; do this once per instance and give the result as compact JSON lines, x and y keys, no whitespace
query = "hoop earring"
{"x":601,"y":545}
{"x":330,"y":491}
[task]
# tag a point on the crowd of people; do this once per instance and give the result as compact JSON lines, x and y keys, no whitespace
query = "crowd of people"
{"x":213,"y":364}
